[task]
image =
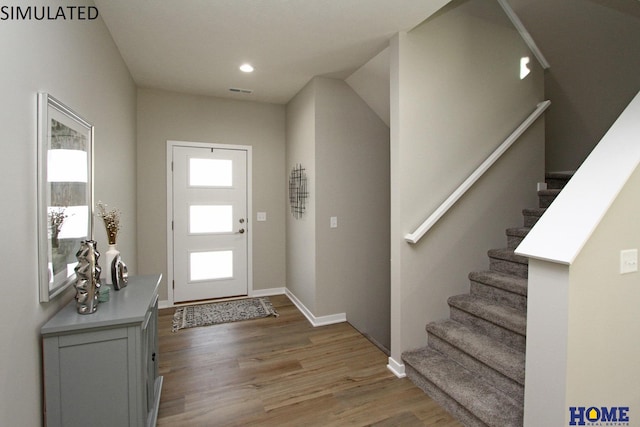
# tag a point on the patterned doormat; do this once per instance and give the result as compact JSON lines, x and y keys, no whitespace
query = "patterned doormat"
{"x":222,"y":312}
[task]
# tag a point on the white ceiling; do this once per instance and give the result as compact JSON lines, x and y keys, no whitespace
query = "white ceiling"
{"x":196,"y":46}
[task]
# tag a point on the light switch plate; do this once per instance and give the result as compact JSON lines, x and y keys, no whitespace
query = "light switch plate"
{"x":628,"y":261}
{"x":261,"y":216}
{"x":333,"y":222}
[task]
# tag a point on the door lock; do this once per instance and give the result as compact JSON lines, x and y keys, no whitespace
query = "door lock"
{"x":241,"y":220}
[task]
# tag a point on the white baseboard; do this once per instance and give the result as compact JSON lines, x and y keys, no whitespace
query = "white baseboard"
{"x":256,"y":293}
{"x":164,"y":304}
{"x":315,"y":321}
{"x":396,"y":368}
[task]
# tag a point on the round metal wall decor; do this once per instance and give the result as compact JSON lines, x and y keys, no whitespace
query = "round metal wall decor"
{"x":298,"y":190}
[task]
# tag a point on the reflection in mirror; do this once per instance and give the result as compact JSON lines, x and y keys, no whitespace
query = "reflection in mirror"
{"x":64,"y":193}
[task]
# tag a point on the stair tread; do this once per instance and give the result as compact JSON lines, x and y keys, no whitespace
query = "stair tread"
{"x":549,"y":192}
{"x":559,"y":175}
{"x":518,"y":231}
{"x":534,"y":211}
{"x":507,"y":255}
{"x":507,"y":317}
{"x":558,"y":179}
{"x":484,"y":401}
{"x":504,"y":359}
{"x":508,"y":282}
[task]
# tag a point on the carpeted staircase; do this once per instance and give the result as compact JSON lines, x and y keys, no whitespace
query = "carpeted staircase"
{"x":474,"y":362}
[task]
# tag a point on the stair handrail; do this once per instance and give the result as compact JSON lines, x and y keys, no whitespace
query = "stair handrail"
{"x":414,"y":237}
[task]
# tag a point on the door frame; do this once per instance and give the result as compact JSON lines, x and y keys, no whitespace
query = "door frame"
{"x":169,"y":173}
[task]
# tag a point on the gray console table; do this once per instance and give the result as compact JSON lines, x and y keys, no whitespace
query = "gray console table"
{"x":101,"y":369}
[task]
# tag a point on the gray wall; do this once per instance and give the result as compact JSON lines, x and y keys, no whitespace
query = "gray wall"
{"x":301,"y":232}
{"x":593,"y":47}
{"x":455,"y":96}
{"x":344,"y":146}
{"x":166,"y":116}
{"x":352,"y":172}
{"x":78,"y":63}
{"x":371,"y":83}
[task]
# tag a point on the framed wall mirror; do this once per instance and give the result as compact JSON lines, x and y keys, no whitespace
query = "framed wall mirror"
{"x":65,"y":192}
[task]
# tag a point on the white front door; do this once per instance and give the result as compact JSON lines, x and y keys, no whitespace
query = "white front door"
{"x":210,"y":244}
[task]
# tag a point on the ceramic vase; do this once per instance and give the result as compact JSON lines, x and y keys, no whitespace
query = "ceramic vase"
{"x":87,"y":277}
{"x":111,"y":256}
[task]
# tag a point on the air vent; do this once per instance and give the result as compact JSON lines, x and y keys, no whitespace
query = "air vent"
{"x":238,"y":90}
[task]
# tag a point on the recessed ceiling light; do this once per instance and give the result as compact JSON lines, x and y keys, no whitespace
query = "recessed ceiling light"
{"x":246,"y":68}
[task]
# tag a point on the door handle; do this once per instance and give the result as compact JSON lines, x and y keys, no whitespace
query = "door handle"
{"x":241,"y":231}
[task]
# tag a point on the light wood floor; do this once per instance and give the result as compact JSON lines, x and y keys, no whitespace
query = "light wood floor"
{"x":283,"y":372}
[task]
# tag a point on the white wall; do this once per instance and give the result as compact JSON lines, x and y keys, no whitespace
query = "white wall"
{"x":593,"y":47}
{"x":455,"y":96}
{"x":166,"y":116}
{"x":76,"y":62}
{"x":547,"y":340}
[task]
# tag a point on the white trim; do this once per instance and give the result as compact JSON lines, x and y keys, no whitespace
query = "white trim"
{"x":396,"y":368}
{"x":315,"y":321}
{"x":462,"y":189}
{"x":524,"y":34}
{"x":170,"y":145}
{"x":164,"y":304}
{"x":268,"y":292}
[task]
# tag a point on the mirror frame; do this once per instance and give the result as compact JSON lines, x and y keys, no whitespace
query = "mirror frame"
{"x":50,"y":109}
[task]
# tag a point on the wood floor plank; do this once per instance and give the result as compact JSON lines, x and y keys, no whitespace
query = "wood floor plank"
{"x":283,"y":372}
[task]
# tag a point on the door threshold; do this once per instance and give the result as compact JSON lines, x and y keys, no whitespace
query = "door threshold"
{"x":209,"y":301}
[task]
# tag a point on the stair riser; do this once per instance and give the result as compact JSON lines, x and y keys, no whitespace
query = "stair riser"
{"x":545,"y":201}
{"x":497,"y":332}
{"x":498,"y":295}
{"x":492,"y":376}
{"x":530,"y":220}
{"x":509,"y":267}
{"x":514,"y":241}
{"x":556,"y":184}
{"x":443,"y":399}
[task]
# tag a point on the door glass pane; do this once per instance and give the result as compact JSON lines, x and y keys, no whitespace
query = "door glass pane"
{"x":210,"y":173}
{"x":210,"y":265}
{"x":210,"y":219}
